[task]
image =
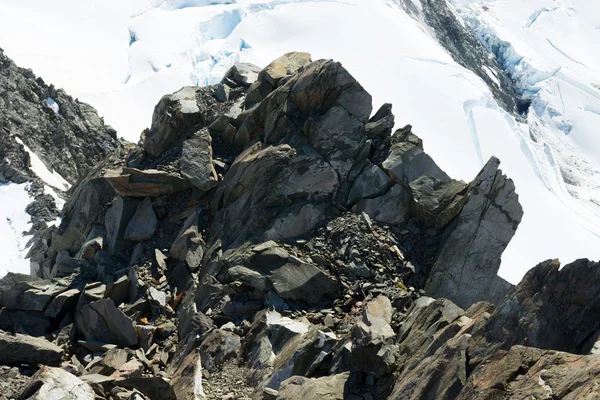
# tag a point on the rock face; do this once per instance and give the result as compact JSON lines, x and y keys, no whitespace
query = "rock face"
{"x":82,"y":210}
{"x":187,"y":380}
{"x":564,"y":302}
{"x":437,"y":202}
{"x":440,"y":376}
{"x":467,"y":49}
{"x":117,"y":221}
{"x":475,"y":241}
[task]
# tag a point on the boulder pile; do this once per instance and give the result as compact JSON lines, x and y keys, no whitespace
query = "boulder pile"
{"x":271,"y":237}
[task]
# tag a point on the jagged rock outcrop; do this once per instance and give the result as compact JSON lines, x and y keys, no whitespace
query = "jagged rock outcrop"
{"x":101,"y":321}
{"x":269,"y":238}
{"x":469,"y":259}
{"x":309,"y":163}
{"x":565,"y":302}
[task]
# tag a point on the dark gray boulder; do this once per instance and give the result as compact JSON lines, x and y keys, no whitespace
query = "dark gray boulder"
{"x":436,"y":202}
{"x":143,"y":223}
{"x":23,"y":349}
{"x":103,"y":322}
{"x":407,"y":161}
{"x":219,"y":347}
{"x":63,"y":303}
{"x":116,"y":222}
{"x":382,"y":123}
{"x":301,"y":356}
{"x":189,"y":245}
{"x":303,"y":282}
{"x":197,"y":163}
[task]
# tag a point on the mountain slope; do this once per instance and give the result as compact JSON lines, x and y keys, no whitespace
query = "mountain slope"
{"x":270,"y":238}
{"x":48,"y":141}
{"x":399,"y":54}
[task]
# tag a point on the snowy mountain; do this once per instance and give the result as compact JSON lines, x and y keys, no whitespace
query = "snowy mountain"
{"x":48,"y":142}
{"x":516,"y":79}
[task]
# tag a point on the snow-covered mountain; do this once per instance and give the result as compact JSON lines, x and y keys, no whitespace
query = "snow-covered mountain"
{"x":516,"y":79}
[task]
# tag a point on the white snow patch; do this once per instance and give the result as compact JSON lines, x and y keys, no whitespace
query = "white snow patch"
{"x":492,"y":75}
{"x":13,"y":222}
{"x":53,"y":105}
{"x":52,"y":178}
{"x":274,"y":318}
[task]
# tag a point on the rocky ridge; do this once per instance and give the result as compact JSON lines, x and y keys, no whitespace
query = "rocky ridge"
{"x":67,"y":135}
{"x":269,"y":238}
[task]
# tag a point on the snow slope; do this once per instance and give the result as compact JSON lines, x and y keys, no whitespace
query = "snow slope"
{"x":13,"y":222}
{"x":129,"y":54}
{"x":549,"y":47}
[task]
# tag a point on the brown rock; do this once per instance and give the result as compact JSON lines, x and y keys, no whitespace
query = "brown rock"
{"x":148,"y":183}
{"x":529,"y":373}
{"x":466,"y":268}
